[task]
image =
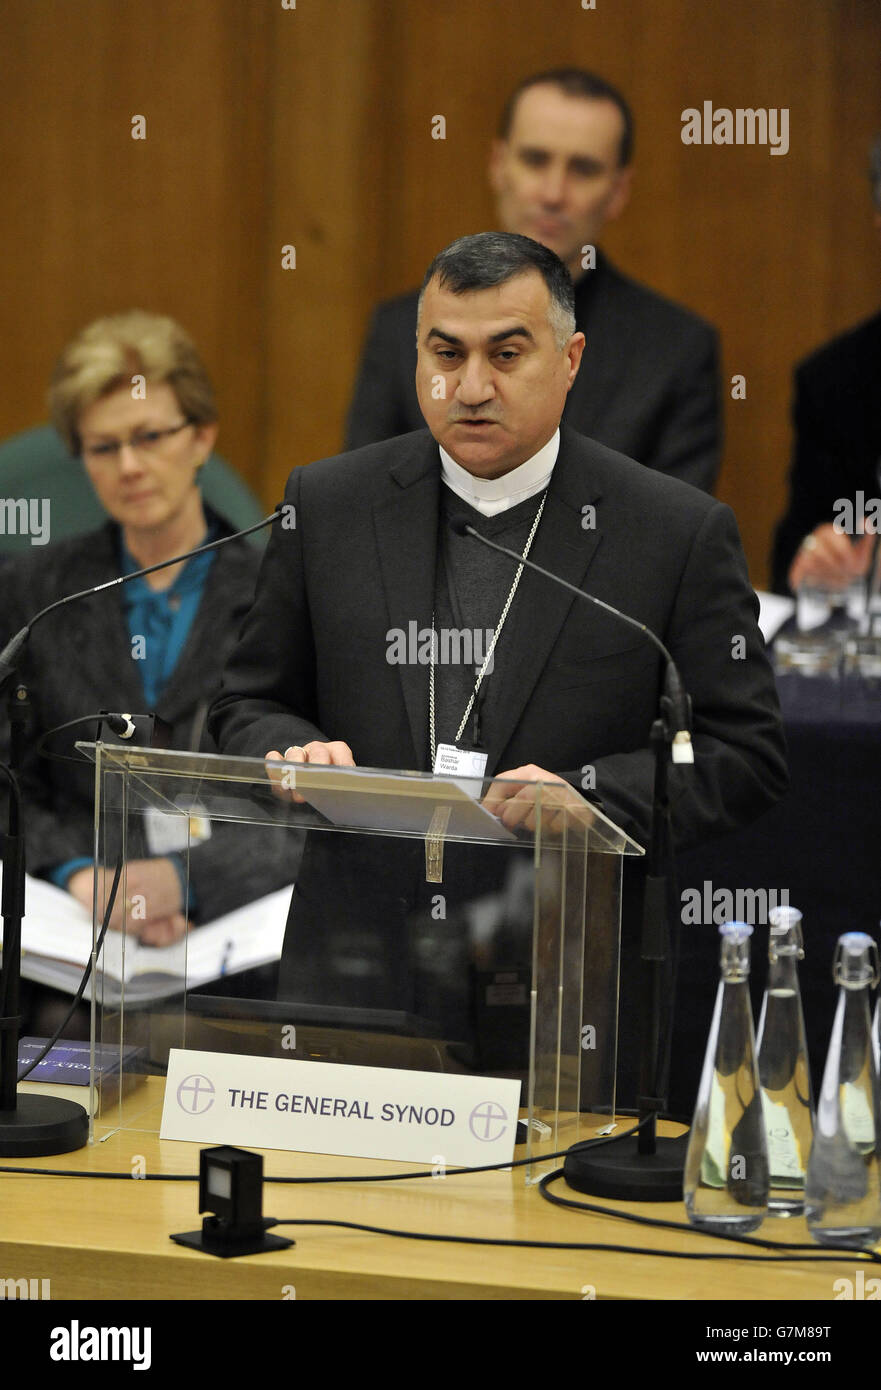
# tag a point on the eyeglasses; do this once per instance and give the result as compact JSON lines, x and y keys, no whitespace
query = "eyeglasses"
{"x":144,"y":442}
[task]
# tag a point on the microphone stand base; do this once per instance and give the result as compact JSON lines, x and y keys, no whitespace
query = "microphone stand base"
{"x":41,"y":1125}
{"x":620,"y":1171}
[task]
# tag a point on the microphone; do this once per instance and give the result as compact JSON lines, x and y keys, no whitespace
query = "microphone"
{"x":14,"y":645}
{"x":675,"y":702}
{"x":646,"y":1168}
{"x":120,"y":724}
{"x":44,"y":1124}
{"x":873,"y":579}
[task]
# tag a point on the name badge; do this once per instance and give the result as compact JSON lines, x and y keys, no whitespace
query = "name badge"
{"x":168,"y":833}
{"x":450,"y":761}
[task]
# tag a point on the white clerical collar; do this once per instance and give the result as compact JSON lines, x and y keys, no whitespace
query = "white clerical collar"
{"x":493,"y":495}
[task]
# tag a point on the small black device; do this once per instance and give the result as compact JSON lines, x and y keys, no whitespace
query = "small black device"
{"x":231,"y":1187}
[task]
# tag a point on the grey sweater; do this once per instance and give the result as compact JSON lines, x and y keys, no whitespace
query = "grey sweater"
{"x":471,"y":587}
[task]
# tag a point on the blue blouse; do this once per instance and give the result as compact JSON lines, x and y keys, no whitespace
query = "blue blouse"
{"x":159,"y":622}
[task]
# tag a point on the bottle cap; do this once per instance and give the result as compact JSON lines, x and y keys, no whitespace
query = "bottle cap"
{"x":741,"y":931}
{"x":785,"y":938}
{"x":734,"y":953}
{"x":855,"y":963}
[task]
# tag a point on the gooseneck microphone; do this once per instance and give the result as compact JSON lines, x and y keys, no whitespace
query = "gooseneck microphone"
{"x":681,"y":750}
{"x":873,"y":577}
{"x":15,"y":644}
{"x":644,"y":1167}
{"x":121,"y":724}
{"x":39,"y":1124}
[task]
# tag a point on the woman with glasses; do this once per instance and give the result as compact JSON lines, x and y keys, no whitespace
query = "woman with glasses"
{"x":132,"y":399}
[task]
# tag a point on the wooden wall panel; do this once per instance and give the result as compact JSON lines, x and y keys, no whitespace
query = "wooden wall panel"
{"x":328,"y":86}
{"x":312,"y":127}
{"x":95,"y":222}
{"x":778,"y":251}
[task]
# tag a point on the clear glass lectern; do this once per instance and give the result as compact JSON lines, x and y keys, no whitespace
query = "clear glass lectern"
{"x":354,"y":915}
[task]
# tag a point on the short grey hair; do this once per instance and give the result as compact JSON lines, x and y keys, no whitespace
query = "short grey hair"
{"x":487,"y":259}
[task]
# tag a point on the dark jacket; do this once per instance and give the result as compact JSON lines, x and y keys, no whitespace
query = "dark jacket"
{"x":583,"y":689}
{"x":577,"y":690}
{"x":648,"y":385}
{"x":79,"y":660}
{"x":837,"y":447}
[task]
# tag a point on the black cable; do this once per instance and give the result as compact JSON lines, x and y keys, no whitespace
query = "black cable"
{"x":13,"y":786}
{"x":84,"y":981}
{"x":336,"y":1177}
{"x":14,"y":823}
{"x":137,"y":574}
{"x":663,"y":1224}
{"x":549,"y":1244}
{"x":848,"y":1253}
{"x":86,"y":1173}
{"x":41,"y":751}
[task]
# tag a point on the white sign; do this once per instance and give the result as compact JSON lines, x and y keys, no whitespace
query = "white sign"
{"x":324,"y":1107}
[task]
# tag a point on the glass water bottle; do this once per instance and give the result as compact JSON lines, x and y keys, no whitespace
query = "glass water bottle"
{"x":784,"y":1071}
{"x":842,"y":1189}
{"x":726,"y":1167}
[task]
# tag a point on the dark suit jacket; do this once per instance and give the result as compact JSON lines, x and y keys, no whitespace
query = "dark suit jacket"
{"x":79,"y":660}
{"x":837,"y":448}
{"x":648,"y":385}
{"x":311,"y":663}
{"x":580,"y":689}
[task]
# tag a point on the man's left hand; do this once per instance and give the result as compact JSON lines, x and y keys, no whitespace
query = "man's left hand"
{"x":514,"y":800}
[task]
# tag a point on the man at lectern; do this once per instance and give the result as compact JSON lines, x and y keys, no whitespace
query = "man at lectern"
{"x":555,"y":689}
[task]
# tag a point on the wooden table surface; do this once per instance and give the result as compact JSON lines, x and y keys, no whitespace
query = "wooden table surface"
{"x":100,"y":1238}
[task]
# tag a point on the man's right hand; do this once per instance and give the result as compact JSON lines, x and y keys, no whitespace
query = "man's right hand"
{"x":323,"y":754}
{"x":828,"y":559}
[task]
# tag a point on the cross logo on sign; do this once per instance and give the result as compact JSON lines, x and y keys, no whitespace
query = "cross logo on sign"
{"x":195,"y":1094}
{"x":488,"y":1121}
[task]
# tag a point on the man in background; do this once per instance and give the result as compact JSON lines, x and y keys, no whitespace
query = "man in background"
{"x":836,"y":454}
{"x":561,"y":169}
